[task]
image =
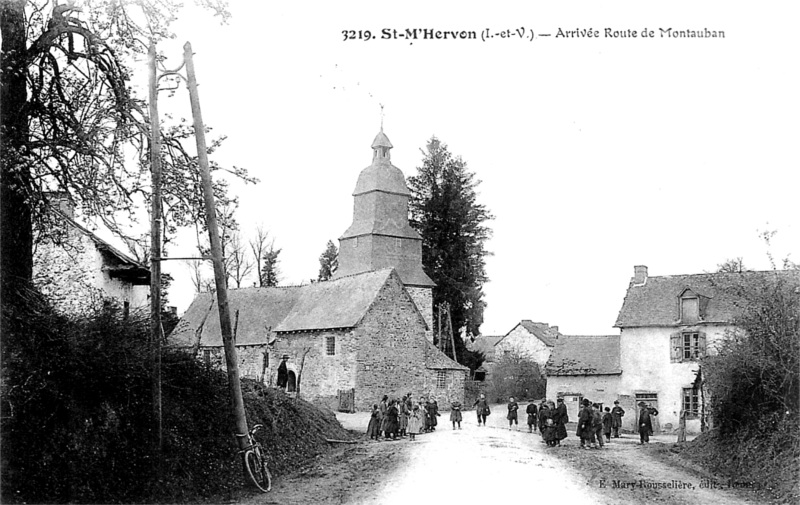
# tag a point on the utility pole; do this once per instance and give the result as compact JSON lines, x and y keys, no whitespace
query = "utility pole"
{"x":155,"y":249}
{"x":231,"y":359}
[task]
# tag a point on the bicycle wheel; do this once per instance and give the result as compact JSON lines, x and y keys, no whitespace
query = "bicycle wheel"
{"x":257,"y":470}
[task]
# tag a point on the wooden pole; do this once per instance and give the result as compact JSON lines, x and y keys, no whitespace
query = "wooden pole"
{"x":231,"y":359}
{"x":155,"y":248}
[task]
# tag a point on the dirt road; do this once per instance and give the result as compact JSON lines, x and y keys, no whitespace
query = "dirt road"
{"x":492,"y":464}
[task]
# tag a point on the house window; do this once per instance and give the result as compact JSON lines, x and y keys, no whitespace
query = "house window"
{"x":398,"y":243}
{"x":441,"y":379}
{"x":330,"y":346}
{"x":691,"y":401}
{"x":207,"y":357}
{"x":687,"y":346}
{"x":651,"y":399}
{"x":690,"y":310}
{"x":691,"y":346}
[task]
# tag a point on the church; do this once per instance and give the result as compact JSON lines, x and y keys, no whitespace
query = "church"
{"x":348,"y":341}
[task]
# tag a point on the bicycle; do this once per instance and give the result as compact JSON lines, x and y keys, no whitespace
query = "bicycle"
{"x":255,"y":461}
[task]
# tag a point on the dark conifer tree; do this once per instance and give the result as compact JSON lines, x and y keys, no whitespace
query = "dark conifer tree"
{"x":328,"y":262}
{"x":444,"y":209}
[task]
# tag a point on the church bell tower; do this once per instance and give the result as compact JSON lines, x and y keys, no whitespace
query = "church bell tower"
{"x":380,"y":236}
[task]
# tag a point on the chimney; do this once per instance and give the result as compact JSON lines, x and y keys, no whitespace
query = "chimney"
{"x":554,"y":328}
{"x":639,"y":275}
{"x":59,"y":200}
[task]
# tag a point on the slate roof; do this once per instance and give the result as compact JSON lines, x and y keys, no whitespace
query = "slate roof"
{"x":436,"y":360}
{"x":657,"y":301}
{"x":585,"y":355}
{"x":340,"y":303}
{"x":485,"y":344}
{"x":543,"y":331}
{"x":118,"y":264}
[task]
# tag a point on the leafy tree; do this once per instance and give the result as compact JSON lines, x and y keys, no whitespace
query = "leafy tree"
{"x":754,"y":374}
{"x":328,"y":262}
{"x":515,"y":374}
{"x":269,"y":271}
{"x":444,"y":209}
{"x":69,"y":119}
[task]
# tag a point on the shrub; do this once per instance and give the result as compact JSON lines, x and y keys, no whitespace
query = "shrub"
{"x":78,"y":422}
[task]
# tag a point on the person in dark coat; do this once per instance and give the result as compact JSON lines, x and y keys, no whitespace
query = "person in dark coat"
{"x":433,"y":412}
{"x":607,"y":421}
{"x":560,"y":418}
{"x":584,"y":430}
{"x":542,"y":408}
{"x":546,"y":414}
{"x":481,"y":409}
{"x":374,"y":427}
{"x":645,"y":423}
{"x":391,"y":425}
{"x":597,"y":424}
{"x":616,"y":418}
{"x":283,"y":373}
{"x":513,"y":407}
{"x":532,"y":412}
{"x":383,"y":406}
{"x":455,"y":414}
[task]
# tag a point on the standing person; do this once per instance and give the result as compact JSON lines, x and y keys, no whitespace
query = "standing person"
{"x":391,"y":425}
{"x":607,"y":421}
{"x":584,"y":430}
{"x":560,"y":419}
{"x":414,"y":422}
{"x":513,"y":407}
{"x":644,"y":422}
{"x":383,"y":406}
{"x":482,"y":409}
{"x":402,"y":412}
{"x":455,"y":414}
{"x":374,"y":426}
{"x":597,"y":425}
{"x":542,"y":408}
{"x":532,"y":411}
{"x":616,"y":418}
{"x":423,"y":412}
{"x":433,"y":413}
{"x":283,"y":373}
{"x":546,"y":414}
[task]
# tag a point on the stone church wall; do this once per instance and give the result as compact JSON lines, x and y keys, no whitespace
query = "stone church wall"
{"x":392,"y":359}
{"x":423,"y":298}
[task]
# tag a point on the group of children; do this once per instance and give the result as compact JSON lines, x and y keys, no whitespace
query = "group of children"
{"x":594,"y":425}
{"x":398,"y":418}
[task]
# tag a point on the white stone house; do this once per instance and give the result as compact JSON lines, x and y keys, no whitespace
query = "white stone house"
{"x":534,"y":340}
{"x":667,"y":324}
{"x":77,"y":270}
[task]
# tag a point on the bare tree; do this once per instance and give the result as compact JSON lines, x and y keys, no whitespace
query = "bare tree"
{"x":259,"y":246}
{"x":239,"y":264}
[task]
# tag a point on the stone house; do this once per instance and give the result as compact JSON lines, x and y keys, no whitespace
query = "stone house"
{"x":364,"y":333}
{"x":77,"y":270}
{"x":536,"y":340}
{"x":667,"y":324}
{"x":584,"y":366}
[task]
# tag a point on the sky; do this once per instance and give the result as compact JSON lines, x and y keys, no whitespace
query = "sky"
{"x":594,"y":154}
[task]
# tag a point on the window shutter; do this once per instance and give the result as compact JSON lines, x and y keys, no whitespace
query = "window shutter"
{"x":701,"y":344}
{"x":676,"y":348}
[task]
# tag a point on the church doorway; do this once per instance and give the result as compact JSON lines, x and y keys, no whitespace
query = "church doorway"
{"x":291,"y":384}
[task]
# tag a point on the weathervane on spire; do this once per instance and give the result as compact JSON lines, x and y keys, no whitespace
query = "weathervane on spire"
{"x":381,"y":115}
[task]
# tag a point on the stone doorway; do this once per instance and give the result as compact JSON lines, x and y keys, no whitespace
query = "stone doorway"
{"x":291,"y":384}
